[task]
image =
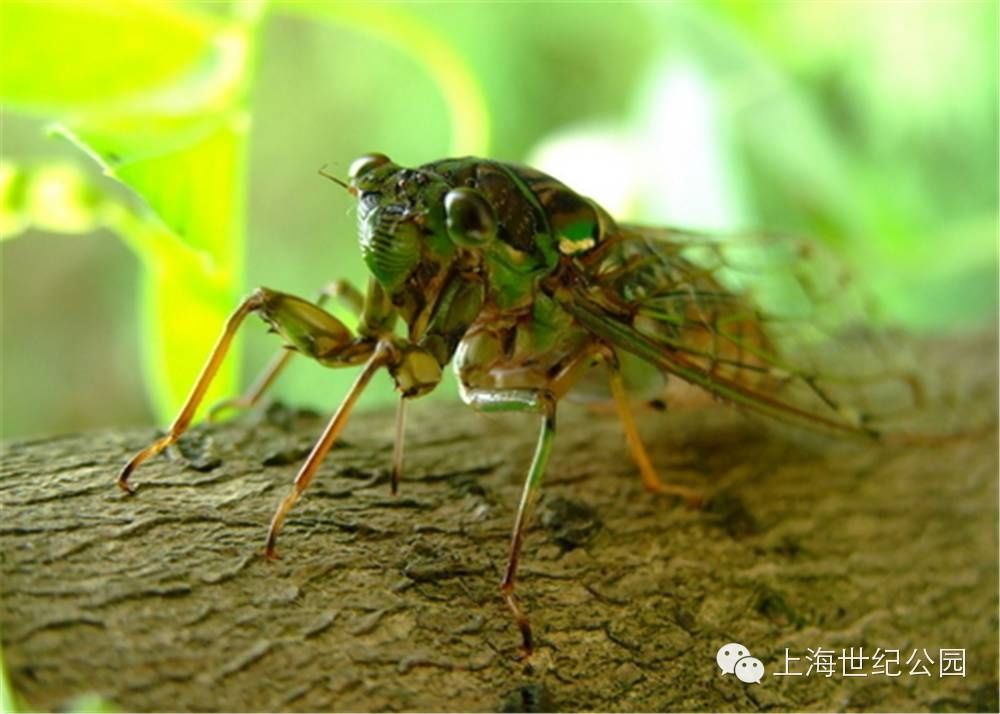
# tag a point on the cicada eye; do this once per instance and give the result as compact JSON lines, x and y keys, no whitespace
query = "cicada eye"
{"x":470,"y":219}
{"x":364,"y":164}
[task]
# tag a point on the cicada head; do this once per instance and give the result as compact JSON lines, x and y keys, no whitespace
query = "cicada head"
{"x":400,"y":219}
{"x":409,"y":216}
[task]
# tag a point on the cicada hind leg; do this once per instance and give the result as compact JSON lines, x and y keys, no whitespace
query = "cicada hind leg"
{"x":621,"y":404}
{"x":650,"y":478}
{"x":565,"y":372}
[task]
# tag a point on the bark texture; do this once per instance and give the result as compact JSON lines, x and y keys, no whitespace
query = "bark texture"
{"x":163,"y":602}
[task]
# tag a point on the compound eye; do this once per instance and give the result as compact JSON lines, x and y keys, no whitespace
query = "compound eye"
{"x":366,"y":163}
{"x":470,"y":219}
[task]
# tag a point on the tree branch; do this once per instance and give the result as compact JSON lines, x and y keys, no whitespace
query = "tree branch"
{"x":163,"y":602}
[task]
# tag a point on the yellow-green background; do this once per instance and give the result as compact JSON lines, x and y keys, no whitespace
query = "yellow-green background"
{"x":870,"y":125}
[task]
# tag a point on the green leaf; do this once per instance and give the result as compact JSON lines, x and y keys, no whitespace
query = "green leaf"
{"x":68,"y":54}
{"x":91,"y":704}
{"x":189,"y":173}
{"x":156,"y":94}
{"x":181,"y":311}
{"x":470,"y":119}
{"x":184,"y":299}
{"x":54,"y":197}
{"x":193,"y":261}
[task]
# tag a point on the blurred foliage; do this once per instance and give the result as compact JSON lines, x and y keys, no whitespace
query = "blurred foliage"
{"x":9,"y":700}
{"x":871,"y":126}
{"x":156,"y":94}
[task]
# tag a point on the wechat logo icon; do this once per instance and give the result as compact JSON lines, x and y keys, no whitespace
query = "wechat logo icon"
{"x":734,"y":658}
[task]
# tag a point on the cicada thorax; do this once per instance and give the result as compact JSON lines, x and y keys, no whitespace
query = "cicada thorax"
{"x":576,"y":224}
{"x":540,"y":221}
{"x":523,"y":338}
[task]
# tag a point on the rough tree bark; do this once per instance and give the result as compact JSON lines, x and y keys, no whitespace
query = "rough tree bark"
{"x":163,"y":602}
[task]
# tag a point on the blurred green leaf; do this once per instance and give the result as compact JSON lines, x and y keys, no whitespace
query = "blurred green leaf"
{"x":172,"y":127}
{"x":179,"y":282}
{"x":182,"y":310}
{"x":9,"y":700}
{"x":13,"y":200}
{"x":69,"y":54}
{"x":470,"y":120}
{"x":191,"y":176}
{"x":91,"y":704}
{"x":54,"y":197}
{"x":193,"y":259}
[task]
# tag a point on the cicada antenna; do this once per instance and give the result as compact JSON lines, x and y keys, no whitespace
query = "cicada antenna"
{"x":323,"y":172}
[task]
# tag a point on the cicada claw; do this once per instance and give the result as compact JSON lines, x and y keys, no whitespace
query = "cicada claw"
{"x":152,"y":450}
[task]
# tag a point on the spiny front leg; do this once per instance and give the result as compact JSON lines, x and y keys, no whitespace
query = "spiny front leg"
{"x":343,"y":291}
{"x":540,"y":402}
{"x":304,"y":325}
{"x":180,"y":424}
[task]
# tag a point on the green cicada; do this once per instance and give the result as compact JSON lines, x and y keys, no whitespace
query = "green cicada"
{"x":524,"y":287}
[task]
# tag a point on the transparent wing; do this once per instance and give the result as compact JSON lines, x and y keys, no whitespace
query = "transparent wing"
{"x":774,"y":324}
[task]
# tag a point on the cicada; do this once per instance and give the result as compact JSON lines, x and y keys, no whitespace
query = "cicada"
{"x":530,"y":291}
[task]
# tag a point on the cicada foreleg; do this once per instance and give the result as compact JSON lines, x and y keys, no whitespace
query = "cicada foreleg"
{"x":383,"y":355}
{"x":306,"y":327}
{"x":347,"y":294}
{"x":538,"y":402}
{"x":414,"y":371}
